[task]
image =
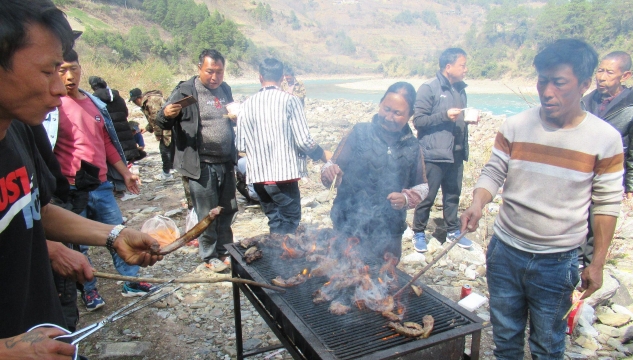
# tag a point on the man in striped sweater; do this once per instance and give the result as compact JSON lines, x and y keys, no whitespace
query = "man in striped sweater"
{"x":273,"y":131}
{"x":552,"y":161}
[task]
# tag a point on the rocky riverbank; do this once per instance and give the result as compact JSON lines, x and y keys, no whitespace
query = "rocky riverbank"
{"x":197,"y":321}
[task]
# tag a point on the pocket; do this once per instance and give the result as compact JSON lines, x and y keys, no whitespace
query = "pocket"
{"x":573,"y":277}
{"x":492,"y":250}
{"x":277,"y":196}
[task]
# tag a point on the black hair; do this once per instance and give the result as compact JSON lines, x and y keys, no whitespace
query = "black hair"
{"x":71,"y":56}
{"x":582,"y":58}
{"x":621,"y":56}
{"x":271,"y":69}
{"x":15,"y":18}
{"x":210,"y":53}
{"x":449,"y":56}
{"x":406,"y":90}
{"x":97,"y":83}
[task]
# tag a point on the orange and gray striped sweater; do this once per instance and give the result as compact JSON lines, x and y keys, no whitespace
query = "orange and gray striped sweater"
{"x":550,"y":177}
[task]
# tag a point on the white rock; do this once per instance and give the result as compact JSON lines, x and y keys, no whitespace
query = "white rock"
{"x":586,"y":329}
{"x":619,"y":309}
{"x":408,"y":234}
{"x":615,"y":320}
{"x":173,"y":212}
{"x":433,"y":245}
{"x":414,"y":258}
{"x":470,"y":274}
{"x":587,"y":343}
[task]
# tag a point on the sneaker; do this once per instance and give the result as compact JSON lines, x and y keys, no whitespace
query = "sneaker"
{"x":92,"y":300}
{"x":463,"y":242}
{"x":216,"y":265}
{"x":132,"y":289}
{"x":165,"y":176}
{"x":419,"y":242}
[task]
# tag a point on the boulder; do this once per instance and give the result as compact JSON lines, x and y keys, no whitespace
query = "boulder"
{"x":615,"y":320}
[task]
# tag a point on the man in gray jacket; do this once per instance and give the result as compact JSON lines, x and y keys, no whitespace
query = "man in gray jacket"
{"x":612,"y":102}
{"x":443,"y":136}
{"x":205,"y":151}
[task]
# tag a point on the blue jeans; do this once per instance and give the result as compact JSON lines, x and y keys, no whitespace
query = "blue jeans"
{"x":215,"y":187}
{"x":282,"y":206}
{"x":102,"y":207}
{"x":541,"y":284}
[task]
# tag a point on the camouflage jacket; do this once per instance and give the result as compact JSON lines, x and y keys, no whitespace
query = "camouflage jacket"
{"x":151,"y":103}
{"x":298,"y":90}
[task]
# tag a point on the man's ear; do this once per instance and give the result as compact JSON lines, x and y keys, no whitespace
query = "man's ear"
{"x":584,"y":86}
{"x":261,"y":79}
{"x":625,"y":76}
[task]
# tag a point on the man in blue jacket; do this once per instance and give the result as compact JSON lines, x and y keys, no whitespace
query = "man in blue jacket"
{"x":443,"y":135}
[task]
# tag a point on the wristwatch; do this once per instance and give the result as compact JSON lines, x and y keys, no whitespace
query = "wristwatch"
{"x":114,"y":233}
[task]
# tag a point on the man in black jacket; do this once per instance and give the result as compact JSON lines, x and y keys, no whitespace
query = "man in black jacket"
{"x":205,"y":151}
{"x":612,"y":102}
{"x":443,"y":136}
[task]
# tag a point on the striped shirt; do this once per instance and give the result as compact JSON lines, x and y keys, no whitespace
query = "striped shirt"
{"x":273,"y":131}
{"x":551,"y":177}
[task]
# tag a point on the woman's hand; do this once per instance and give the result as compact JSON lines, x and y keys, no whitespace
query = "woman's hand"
{"x":398,"y":200}
{"x":328,"y":172}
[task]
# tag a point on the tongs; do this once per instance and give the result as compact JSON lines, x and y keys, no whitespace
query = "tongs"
{"x":75,"y":337}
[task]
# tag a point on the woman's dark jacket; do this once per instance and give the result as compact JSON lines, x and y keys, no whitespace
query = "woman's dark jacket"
{"x":372,"y":170}
{"x":118,"y":112}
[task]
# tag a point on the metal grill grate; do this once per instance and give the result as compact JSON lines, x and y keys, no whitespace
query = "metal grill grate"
{"x":356,"y":334}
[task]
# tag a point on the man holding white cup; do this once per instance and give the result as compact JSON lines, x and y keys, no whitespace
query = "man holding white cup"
{"x":443,"y":135}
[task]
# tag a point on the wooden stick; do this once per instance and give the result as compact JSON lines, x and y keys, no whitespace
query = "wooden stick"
{"x":428,"y":266}
{"x":186,"y":280}
{"x":329,"y":194}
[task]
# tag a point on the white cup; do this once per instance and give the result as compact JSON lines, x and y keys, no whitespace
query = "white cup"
{"x":471,"y":115}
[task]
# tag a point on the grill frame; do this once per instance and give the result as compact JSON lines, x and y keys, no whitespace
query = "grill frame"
{"x":302,"y":342}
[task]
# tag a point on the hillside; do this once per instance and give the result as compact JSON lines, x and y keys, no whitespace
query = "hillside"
{"x":315,"y":36}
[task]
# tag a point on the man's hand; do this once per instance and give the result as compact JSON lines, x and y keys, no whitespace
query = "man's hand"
{"x":329,"y":172}
{"x":69,"y":263}
{"x":591,"y":279}
{"x":36,"y":344}
{"x":172,"y":110}
{"x":397,"y":200}
{"x":470,"y":219}
{"x":137,"y":248}
{"x":131,"y":182}
{"x":453,"y":113}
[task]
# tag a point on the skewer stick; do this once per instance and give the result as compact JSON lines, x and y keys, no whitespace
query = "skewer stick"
{"x":428,"y":266}
{"x":186,"y":280}
{"x":329,"y":195}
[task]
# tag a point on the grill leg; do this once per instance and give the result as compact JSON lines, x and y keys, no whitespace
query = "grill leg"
{"x":474,"y":345}
{"x":237,"y":311}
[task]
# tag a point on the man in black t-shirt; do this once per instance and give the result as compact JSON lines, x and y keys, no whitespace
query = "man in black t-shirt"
{"x":33,"y":36}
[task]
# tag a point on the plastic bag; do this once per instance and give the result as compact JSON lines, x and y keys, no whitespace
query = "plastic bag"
{"x":161,"y":228}
{"x":192,"y":220}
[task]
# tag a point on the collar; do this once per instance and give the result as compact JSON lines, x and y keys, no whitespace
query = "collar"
{"x":459,"y":86}
{"x":271,"y":87}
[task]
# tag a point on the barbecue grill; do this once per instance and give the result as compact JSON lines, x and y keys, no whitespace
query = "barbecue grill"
{"x":308,"y":331}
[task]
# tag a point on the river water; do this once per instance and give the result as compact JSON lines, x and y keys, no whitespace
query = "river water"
{"x":498,"y":104}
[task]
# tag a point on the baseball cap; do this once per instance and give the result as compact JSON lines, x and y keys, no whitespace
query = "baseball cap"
{"x":135,"y":94}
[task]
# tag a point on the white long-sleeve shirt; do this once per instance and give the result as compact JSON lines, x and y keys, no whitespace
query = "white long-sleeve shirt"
{"x":273,"y":131}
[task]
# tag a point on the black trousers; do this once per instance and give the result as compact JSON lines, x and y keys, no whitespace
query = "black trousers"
{"x":447,"y":176}
{"x":167,"y":155}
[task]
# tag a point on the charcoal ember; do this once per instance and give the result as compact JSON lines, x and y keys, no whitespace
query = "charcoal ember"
{"x":337,"y":308}
{"x":252,"y":254}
